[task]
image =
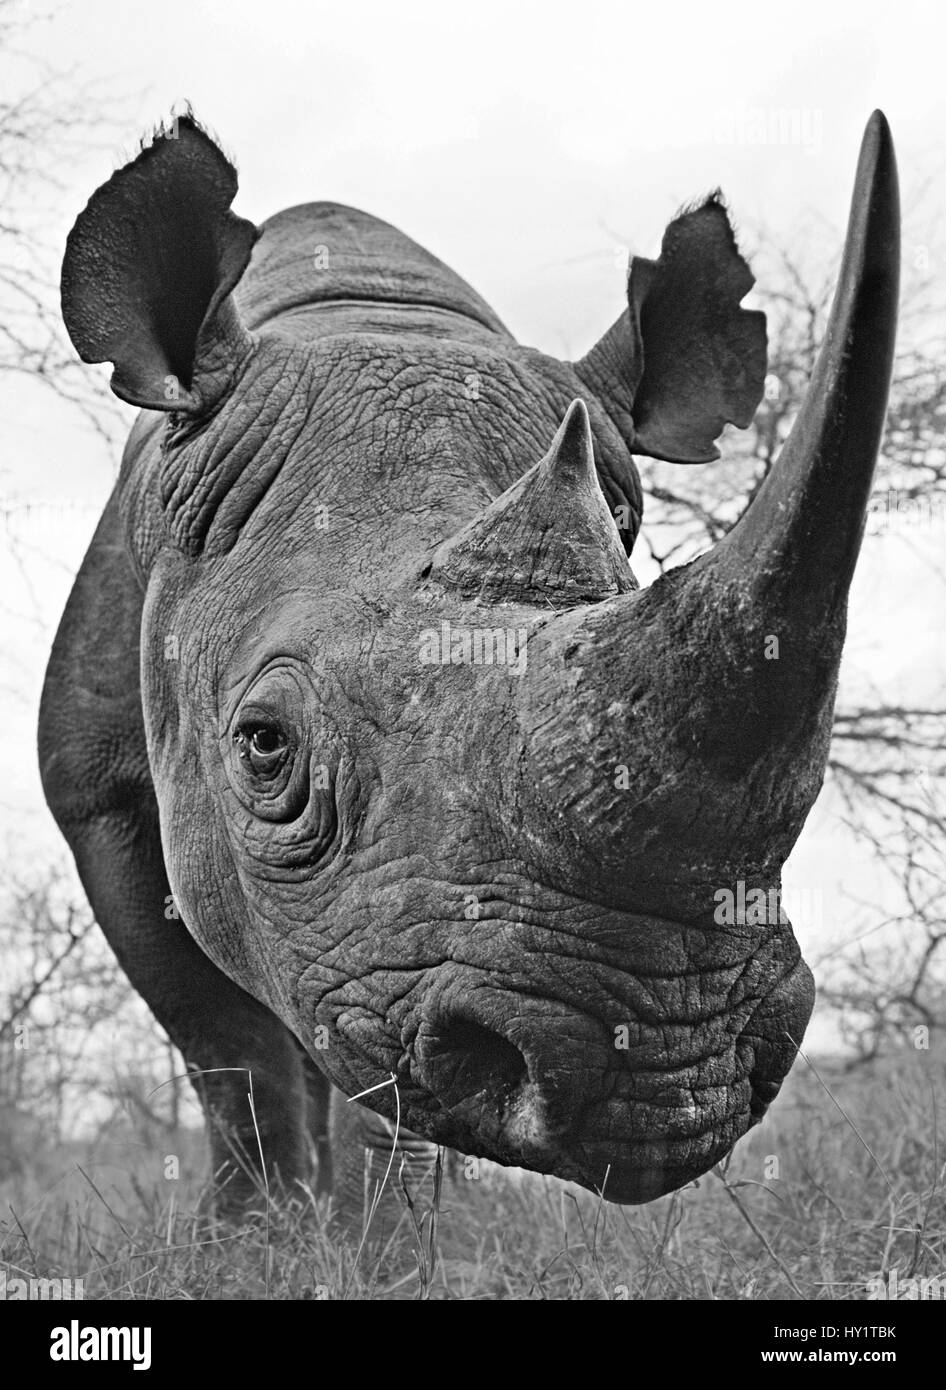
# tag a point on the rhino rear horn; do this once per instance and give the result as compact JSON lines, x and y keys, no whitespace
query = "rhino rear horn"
{"x":548,"y":539}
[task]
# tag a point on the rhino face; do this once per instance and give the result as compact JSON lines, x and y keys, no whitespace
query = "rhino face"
{"x":438,"y":782}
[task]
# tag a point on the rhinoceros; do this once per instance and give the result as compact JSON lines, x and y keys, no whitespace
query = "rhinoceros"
{"x":383,"y":775}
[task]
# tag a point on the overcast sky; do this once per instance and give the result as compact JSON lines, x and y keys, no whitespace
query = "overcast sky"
{"x":528,"y":145}
{"x":521,"y":142}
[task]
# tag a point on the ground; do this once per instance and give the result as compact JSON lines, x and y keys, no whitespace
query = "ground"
{"x":840,"y":1186}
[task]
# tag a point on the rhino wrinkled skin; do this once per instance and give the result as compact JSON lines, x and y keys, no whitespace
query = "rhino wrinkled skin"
{"x":374,"y":758}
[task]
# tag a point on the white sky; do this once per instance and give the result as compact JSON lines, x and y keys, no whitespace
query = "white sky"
{"x":518,"y":140}
{"x":530,"y":145}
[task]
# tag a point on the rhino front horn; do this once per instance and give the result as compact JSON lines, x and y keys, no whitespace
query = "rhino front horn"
{"x":712,"y":691}
{"x":548,"y":538}
{"x":797,"y":544}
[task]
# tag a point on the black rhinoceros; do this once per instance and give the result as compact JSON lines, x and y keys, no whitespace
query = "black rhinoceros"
{"x":375,"y":760}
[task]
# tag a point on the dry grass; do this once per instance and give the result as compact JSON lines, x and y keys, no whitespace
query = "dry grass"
{"x":858,"y":1194}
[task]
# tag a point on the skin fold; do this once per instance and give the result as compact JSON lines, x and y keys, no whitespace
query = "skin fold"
{"x":374,"y":758}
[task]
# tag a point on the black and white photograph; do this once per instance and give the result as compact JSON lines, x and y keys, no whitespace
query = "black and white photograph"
{"x":472,"y":595}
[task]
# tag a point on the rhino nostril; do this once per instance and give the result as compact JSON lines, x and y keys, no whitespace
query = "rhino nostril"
{"x":478,"y":1059}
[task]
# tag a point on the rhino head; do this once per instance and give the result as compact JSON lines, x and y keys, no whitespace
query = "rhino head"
{"x":439,"y":784}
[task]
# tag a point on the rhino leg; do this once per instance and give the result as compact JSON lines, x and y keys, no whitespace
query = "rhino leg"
{"x":98,"y":785}
{"x":318,"y":1091}
{"x":361,"y":1143}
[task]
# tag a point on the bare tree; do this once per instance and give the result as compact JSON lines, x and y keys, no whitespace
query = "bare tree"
{"x":48,"y":122}
{"x":78,"y":1047}
{"x":62,"y":995}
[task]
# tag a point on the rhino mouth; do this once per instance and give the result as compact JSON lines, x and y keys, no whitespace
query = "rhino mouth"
{"x":640,"y":1136}
{"x":631,"y":1109}
{"x":627,"y":1152}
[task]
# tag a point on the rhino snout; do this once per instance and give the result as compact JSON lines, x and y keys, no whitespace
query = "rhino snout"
{"x":546,"y":1085}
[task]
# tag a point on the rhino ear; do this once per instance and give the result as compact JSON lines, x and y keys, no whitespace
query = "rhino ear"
{"x":683,"y":360}
{"x":148,"y":271}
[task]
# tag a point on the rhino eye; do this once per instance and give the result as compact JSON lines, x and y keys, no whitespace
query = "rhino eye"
{"x":261,"y":745}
